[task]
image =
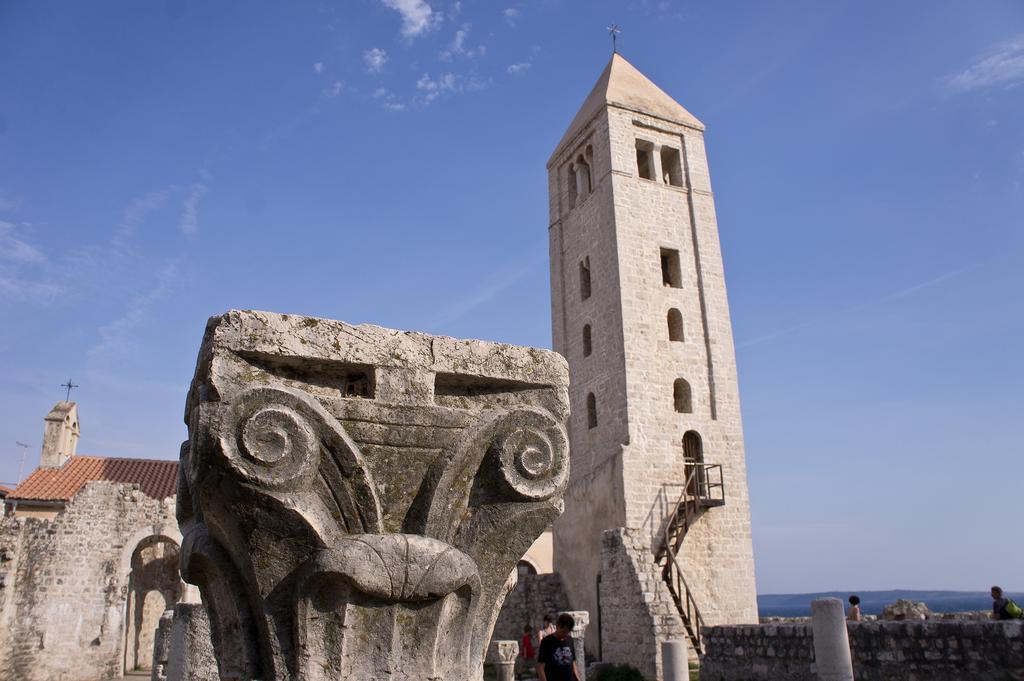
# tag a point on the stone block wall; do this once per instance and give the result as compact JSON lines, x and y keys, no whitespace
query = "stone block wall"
{"x":636,"y":607}
{"x":65,"y":583}
{"x":932,"y":650}
{"x":533,"y":597}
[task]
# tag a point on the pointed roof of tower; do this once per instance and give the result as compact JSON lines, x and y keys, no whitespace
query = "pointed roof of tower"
{"x":621,"y":84}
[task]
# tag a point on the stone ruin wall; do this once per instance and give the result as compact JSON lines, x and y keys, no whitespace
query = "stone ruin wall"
{"x":936,"y":650}
{"x":637,"y":608}
{"x":533,"y":597}
{"x":64,"y":584}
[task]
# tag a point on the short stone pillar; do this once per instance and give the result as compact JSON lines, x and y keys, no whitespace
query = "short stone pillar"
{"x":831,"y":643}
{"x":675,"y":660}
{"x":162,"y":646}
{"x":190,"y":657}
{"x":581,"y":619}
{"x":353,"y":499}
{"x":503,"y":655}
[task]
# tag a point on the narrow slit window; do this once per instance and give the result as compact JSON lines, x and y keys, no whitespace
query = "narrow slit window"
{"x":671,"y":275}
{"x":675,"y":325}
{"x":681,"y":396}
{"x":571,"y":181}
{"x":583,"y":177}
{"x":671,"y":169}
{"x":587,"y":341}
{"x":645,"y":159}
{"x":585,"y":278}
{"x":591,"y":411}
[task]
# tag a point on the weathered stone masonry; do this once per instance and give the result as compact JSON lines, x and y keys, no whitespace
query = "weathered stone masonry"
{"x":66,"y":581}
{"x":882,"y":651}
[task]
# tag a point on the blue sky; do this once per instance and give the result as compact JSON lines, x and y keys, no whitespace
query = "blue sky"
{"x":383,"y":161}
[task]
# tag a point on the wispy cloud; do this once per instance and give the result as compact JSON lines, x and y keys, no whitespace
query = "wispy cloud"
{"x":505,"y":278}
{"x":1001,"y":66}
{"x":15,"y":249}
{"x":895,"y":295}
{"x":519,"y":68}
{"x":459,"y":47}
{"x":24,"y":275}
{"x":115,"y":337}
{"x":375,"y":59}
{"x":189,"y":223}
{"x":334,"y":89}
{"x":138,"y":210}
{"x":318,"y":67}
{"x":511,"y":16}
{"x":389,"y":100}
{"x":9,"y":204}
{"x":431,"y":88}
{"x":417,"y":16}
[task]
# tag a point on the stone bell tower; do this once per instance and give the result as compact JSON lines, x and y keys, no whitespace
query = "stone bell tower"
{"x":639,"y":310}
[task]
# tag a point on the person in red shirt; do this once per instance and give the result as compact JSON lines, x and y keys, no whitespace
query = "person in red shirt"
{"x":526,"y":651}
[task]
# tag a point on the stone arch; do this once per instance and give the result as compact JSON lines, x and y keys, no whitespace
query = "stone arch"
{"x":152,"y":584}
{"x":526,"y":567}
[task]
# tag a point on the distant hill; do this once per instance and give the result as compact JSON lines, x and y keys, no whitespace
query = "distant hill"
{"x":872,"y":602}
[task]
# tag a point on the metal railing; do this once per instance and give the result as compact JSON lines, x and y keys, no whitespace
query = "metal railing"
{"x":704,"y":488}
{"x":693,"y":622}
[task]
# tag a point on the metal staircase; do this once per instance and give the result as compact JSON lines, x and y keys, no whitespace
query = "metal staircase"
{"x":704,"y":489}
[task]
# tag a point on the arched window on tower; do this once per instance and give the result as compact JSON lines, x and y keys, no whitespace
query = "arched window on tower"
{"x":572,"y":185}
{"x":675,"y":325}
{"x":681,"y":396}
{"x":591,"y":411}
{"x":584,"y":186}
{"x":587,"y":344}
{"x":585,"y":278}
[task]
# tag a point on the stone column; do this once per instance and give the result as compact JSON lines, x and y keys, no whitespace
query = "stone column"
{"x":354,"y":498}
{"x":831,"y":643}
{"x":190,"y":657}
{"x":162,"y":646}
{"x":503,"y":655}
{"x":581,"y":619}
{"x":675,"y":660}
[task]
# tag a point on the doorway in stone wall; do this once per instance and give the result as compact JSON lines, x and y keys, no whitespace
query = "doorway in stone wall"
{"x":153,"y":587}
{"x":693,"y":456}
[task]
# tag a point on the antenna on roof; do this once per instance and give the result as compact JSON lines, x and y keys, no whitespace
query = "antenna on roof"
{"x":69,"y":385}
{"x":614,"y":32}
{"x":21,"y":468}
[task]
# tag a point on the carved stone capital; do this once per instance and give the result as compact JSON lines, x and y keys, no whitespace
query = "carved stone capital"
{"x":503,"y":652}
{"x":581,"y":619}
{"x":353,"y":499}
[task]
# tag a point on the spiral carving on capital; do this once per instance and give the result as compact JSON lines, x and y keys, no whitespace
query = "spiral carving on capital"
{"x":268,"y":439}
{"x":354,"y":508}
{"x":534,"y":454}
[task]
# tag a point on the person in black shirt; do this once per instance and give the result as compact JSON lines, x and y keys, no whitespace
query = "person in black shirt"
{"x":999,"y":605}
{"x":556,"y":660}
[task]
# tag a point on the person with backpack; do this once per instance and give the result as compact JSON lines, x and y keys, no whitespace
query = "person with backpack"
{"x":1004,"y":608}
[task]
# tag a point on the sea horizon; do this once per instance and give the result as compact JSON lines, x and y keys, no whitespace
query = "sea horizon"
{"x":872,"y":602}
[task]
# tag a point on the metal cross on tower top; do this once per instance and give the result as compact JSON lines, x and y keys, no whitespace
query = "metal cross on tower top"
{"x":69,"y":385}
{"x":614,"y":32}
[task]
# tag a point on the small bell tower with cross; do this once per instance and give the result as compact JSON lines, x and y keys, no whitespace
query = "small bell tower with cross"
{"x":61,"y":431}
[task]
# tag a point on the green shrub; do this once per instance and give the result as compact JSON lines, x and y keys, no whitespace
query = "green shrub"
{"x":618,"y":672}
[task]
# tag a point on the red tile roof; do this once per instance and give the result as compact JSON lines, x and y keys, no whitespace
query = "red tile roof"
{"x":157,"y":479}
{"x":5,"y":490}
